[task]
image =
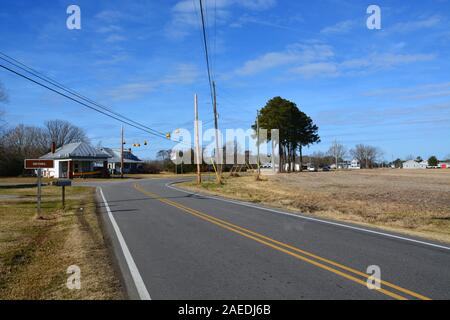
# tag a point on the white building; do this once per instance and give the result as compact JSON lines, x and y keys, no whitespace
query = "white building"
{"x":354,"y":165}
{"x":413,"y":164}
{"x":131,"y":163}
{"x":78,"y":159}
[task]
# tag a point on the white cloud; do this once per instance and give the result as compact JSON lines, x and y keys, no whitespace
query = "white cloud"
{"x":385,"y":60}
{"x":414,"y":25}
{"x":113,"y":59}
{"x":293,"y":54}
{"x":340,"y":27}
{"x":115,"y":38}
{"x":317,"y":69}
{"x":131,"y":91}
{"x":318,"y":59}
{"x":109,"y":29}
{"x":257,"y":4}
{"x":418,"y":92}
{"x":186,"y":13}
{"x":182,"y":74}
{"x":110,"y":16}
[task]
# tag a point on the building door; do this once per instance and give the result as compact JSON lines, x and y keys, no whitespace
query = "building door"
{"x":63,"y":169}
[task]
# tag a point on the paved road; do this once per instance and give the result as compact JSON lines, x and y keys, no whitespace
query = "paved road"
{"x":183,"y":246}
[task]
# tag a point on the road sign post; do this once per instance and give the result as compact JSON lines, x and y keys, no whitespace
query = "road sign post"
{"x":38,"y":164}
{"x":39,"y":193}
{"x":63,"y":183}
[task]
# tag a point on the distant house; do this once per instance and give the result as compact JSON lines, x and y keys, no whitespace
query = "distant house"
{"x":355,"y":165}
{"x":352,"y":165}
{"x":131,"y":163}
{"x":413,"y":164}
{"x":444,"y":165}
{"x":76,"y":160}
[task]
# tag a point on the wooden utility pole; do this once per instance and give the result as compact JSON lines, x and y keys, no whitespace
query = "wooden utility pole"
{"x":197,"y":143}
{"x":121,"y":155}
{"x":216,"y":126}
{"x":257,"y":142}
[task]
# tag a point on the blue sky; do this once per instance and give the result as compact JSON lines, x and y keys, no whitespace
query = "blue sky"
{"x":389,"y":87}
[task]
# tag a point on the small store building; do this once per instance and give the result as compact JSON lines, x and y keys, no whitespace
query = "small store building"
{"x":78,"y":159}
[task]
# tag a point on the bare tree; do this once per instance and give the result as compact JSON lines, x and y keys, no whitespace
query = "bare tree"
{"x":18,"y":144}
{"x":62,"y":132}
{"x":337,"y":151}
{"x":366,"y":155}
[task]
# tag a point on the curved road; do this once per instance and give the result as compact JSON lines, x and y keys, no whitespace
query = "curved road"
{"x":171,"y":244}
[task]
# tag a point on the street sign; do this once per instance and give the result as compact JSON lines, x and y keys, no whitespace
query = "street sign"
{"x":38,"y":164}
{"x":63,"y":183}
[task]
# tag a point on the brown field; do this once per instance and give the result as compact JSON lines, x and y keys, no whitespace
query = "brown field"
{"x":415,"y":202}
{"x":35,"y":253}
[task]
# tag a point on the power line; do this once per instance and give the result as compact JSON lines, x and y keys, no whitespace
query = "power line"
{"x":206,"y":51}
{"x":113,"y":115}
{"x":43,"y":77}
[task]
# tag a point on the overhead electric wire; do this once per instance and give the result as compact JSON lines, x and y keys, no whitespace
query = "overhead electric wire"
{"x":205,"y":43}
{"x":41,"y":76}
{"x":116,"y":116}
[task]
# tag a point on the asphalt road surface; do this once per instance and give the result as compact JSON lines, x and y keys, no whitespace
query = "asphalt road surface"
{"x":176,"y":245}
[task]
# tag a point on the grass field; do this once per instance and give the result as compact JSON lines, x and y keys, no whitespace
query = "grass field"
{"x":35,"y":253}
{"x":415,"y":202}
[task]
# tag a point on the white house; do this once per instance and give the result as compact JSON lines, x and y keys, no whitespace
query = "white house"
{"x":76,"y":160}
{"x":413,"y":164}
{"x":354,"y":165}
{"x":131,"y":163}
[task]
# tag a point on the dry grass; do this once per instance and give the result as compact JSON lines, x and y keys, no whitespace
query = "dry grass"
{"x":415,"y":202}
{"x":35,"y":253}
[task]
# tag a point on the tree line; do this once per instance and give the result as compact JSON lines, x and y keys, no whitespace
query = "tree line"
{"x":21,"y":142}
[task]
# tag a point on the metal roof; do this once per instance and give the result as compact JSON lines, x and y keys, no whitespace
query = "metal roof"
{"x":114,"y":154}
{"x":80,"y":150}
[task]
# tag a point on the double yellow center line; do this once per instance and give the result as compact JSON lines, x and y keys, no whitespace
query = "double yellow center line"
{"x":320,"y":262}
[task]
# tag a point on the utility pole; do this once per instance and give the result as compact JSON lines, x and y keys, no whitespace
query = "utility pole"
{"x":218,"y":154}
{"x":257,"y":142}
{"x":197,"y":144}
{"x":121,"y":155}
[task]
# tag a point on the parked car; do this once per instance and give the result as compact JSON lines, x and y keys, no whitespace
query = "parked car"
{"x":312,"y":169}
{"x":326,"y":168}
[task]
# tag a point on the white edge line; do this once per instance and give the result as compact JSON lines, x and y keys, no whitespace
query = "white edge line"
{"x":138,"y":282}
{"x":299,"y":216}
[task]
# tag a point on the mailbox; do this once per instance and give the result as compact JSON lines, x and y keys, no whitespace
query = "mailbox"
{"x":63,"y":183}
